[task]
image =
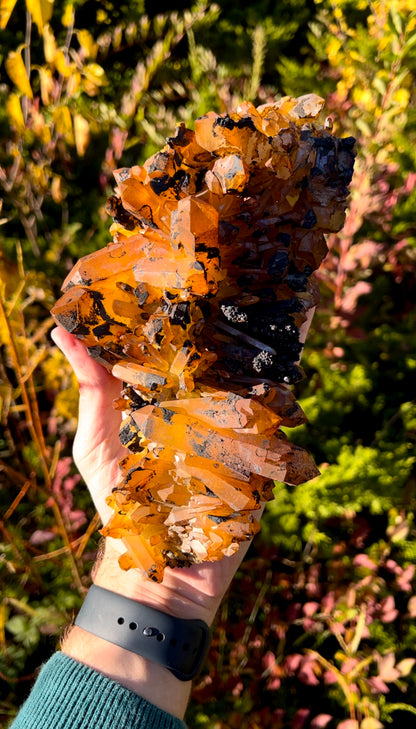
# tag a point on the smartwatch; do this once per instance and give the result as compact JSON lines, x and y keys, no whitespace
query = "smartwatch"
{"x":177,"y":644}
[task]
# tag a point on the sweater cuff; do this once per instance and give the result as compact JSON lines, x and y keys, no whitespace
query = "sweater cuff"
{"x":70,"y":695}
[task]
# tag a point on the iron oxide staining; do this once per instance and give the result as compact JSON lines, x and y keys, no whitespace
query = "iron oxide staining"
{"x":196,"y":305}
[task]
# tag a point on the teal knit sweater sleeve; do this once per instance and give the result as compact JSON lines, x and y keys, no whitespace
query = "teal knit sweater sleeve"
{"x":70,"y":695}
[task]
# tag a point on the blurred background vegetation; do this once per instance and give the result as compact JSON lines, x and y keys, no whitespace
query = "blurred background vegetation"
{"x":326,"y":633}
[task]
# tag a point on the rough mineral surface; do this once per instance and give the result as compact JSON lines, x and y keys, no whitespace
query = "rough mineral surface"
{"x":196,"y":306}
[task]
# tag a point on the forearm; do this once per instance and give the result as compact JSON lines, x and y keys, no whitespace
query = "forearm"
{"x":145,"y":678}
{"x":70,"y":695}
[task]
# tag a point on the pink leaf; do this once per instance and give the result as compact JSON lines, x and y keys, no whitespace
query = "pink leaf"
{"x":337,"y":628}
{"x":377,"y":685}
{"x":389,"y":612}
{"x":351,"y":297}
{"x":40,"y":536}
{"x":348,"y":665}
{"x":404,"y":579}
{"x":300,"y":718}
{"x":362,"y":560}
{"x":392,"y":566}
{"x":269,"y":660}
{"x":237,"y":689}
{"x":389,"y":616}
{"x":328,"y":602}
{"x":387,"y":671}
{"x":348,"y":724}
{"x":312,"y":626}
{"x":306,"y":673}
{"x":292,"y":663}
{"x":63,"y":467}
{"x":320,"y":721}
{"x":273,"y":684}
{"x":313,"y":585}
{"x":330,"y":678}
{"x":410,"y":181}
{"x":310,"y":608}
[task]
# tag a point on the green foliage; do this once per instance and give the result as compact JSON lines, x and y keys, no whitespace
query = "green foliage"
{"x":299,"y":625}
{"x":319,"y":628}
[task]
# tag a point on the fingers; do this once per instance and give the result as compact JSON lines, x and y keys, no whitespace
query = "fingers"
{"x":91,"y":376}
{"x":97,"y":447}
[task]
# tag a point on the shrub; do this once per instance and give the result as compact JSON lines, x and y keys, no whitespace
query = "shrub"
{"x":325,"y":633}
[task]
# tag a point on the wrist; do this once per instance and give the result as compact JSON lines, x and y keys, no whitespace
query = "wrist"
{"x":179,"y":595}
{"x":178,"y":644}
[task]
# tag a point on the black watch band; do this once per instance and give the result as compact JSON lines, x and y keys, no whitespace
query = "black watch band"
{"x":179,"y":645}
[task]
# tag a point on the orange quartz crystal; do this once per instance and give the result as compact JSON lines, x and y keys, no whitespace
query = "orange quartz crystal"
{"x":196,"y":306}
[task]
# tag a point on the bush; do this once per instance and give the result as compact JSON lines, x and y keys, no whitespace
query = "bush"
{"x":326,"y":632}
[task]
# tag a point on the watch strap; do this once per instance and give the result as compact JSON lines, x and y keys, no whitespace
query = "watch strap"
{"x":179,"y":645}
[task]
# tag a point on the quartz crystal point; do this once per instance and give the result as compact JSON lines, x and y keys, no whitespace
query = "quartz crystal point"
{"x":196,"y":306}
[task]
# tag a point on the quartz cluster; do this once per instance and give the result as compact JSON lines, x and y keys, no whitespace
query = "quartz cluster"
{"x":196,"y":306}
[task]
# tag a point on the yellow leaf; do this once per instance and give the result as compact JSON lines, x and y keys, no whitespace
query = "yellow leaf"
{"x":41,"y":12}
{"x":57,"y":189}
{"x":3,"y":620}
{"x":40,"y":127}
{"x":82,"y":134}
{"x":16,"y":70}
{"x":46,"y":85}
{"x":370,"y":722}
{"x":14,"y":112}
{"x":401,"y":97}
{"x":73,"y":83}
{"x":405,"y":666}
{"x":68,"y":14}
{"x":6,"y":9}
{"x":62,"y":66}
{"x":63,"y":123}
{"x":87,"y":43}
{"x":95,"y":73}
{"x":49,"y":44}
{"x":94,"y":78}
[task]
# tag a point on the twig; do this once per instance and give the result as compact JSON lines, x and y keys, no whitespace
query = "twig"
{"x":92,"y":527}
{"x":254,"y":611}
{"x":34,"y":426}
{"x":15,"y":503}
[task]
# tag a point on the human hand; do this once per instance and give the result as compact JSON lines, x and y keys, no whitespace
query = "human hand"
{"x":194,"y":592}
{"x":197,"y":590}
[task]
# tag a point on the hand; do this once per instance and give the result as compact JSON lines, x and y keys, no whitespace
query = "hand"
{"x":194,"y":592}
